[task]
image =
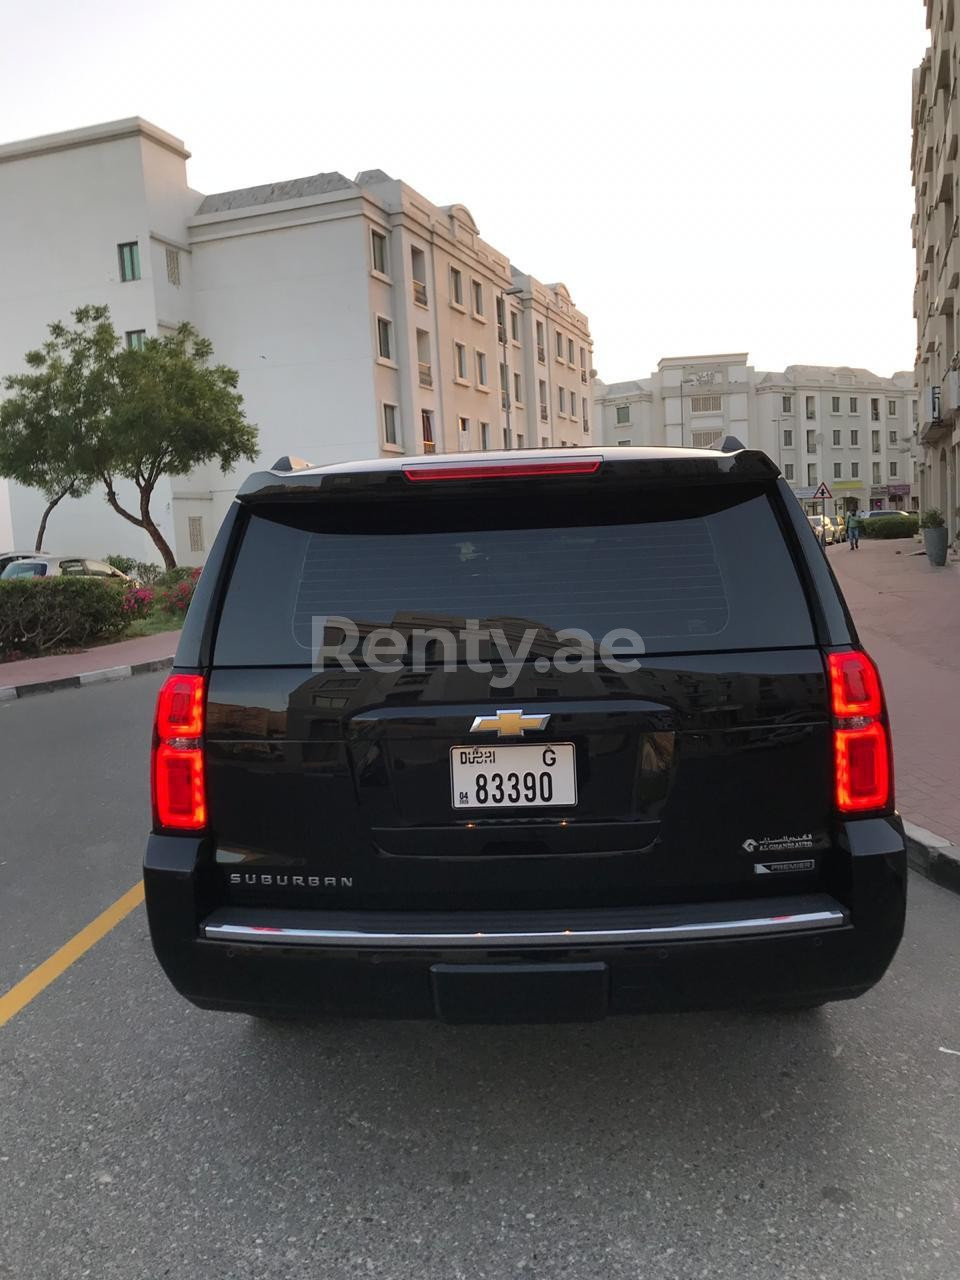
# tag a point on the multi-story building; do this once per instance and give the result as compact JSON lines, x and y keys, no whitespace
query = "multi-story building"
{"x":846,"y":427}
{"x":362,"y":318}
{"x":936,"y":299}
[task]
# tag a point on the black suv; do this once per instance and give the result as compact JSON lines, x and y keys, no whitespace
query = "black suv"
{"x":522,"y":736}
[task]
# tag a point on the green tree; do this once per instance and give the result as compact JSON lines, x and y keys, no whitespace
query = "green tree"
{"x":53,"y":419}
{"x":170,"y":411}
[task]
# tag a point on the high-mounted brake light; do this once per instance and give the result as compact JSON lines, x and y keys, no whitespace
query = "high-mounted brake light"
{"x":861,"y":740}
{"x":417,"y":472}
{"x":177,"y":767}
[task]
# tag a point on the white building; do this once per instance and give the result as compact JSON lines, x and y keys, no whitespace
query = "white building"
{"x":936,"y":299}
{"x":846,"y":427}
{"x":362,"y":318}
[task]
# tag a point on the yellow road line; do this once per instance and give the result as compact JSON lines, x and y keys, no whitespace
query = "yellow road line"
{"x":39,"y":978}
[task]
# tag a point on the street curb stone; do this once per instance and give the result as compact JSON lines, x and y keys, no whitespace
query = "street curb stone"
{"x":10,"y":693}
{"x":933,"y":857}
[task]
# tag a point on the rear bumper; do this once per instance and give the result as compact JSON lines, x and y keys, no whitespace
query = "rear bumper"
{"x":523,"y":966}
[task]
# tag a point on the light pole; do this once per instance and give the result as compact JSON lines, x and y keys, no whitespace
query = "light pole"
{"x":505,"y":389}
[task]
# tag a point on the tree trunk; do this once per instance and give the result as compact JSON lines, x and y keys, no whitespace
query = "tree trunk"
{"x":143,"y":521}
{"x":46,"y":516}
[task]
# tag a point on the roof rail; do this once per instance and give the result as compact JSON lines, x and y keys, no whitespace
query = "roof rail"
{"x":288,"y":463}
{"x":727,"y":444}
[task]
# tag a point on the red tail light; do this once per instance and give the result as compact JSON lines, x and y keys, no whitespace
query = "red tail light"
{"x":177,"y":773}
{"x":501,"y":470}
{"x":862,"y":772}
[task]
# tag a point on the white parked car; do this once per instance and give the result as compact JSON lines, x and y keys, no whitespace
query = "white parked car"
{"x":44,"y":566}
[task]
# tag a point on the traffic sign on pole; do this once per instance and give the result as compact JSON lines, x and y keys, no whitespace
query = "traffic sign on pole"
{"x":822,"y":493}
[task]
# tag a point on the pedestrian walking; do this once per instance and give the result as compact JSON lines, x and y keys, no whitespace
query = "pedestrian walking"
{"x":853,"y":531}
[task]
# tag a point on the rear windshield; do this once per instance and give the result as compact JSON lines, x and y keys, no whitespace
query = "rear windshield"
{"x":704,"y":571}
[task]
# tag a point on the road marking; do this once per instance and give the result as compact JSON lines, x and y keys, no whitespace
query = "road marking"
{"x":38,"y":979}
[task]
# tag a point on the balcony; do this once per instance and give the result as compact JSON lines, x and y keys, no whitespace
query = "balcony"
{"x":429,"y":446}
{"x":541,"y":354}
{"x":543,"y":413}
{"x":419,"y":293}
{"x":426,"y":375}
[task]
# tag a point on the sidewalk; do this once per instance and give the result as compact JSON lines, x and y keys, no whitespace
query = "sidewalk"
{"x":908,"y":616}
{"x":106,"y":662}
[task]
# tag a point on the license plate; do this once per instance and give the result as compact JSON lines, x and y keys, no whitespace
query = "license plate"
{"x":520,"y":777}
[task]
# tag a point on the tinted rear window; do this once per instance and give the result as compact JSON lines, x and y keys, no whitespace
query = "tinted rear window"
{"x":705,"y":571}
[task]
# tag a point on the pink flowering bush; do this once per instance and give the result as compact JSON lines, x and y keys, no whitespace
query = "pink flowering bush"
{"x":174,"y":597}
{"x":137,"y":603}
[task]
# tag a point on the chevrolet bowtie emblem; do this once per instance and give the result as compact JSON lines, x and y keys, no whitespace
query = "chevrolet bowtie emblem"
{"x":508,"y":724}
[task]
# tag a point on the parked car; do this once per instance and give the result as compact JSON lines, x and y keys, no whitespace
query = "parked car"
{"x":8,"y":557}
{"x":839,"y":526}
{"x":874,"y":515}
{"x":822,"y":527}
{"x":44,"y":566}
{"x":705,"y":819}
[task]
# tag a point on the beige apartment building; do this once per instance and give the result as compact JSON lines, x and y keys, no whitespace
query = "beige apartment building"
{"x":936,"y":222}
{"x":848,"y":428}
{"x":362,"y":318}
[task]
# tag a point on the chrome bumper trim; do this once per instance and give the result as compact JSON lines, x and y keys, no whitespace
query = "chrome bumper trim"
{"x":760,"y":926}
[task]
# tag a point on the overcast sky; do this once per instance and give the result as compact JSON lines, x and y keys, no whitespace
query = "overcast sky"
{"x":704,"y":175}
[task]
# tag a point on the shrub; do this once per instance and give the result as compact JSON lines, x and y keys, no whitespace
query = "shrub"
{"x":41,"y":615}
{"x":904,"y":526}
{"x":126,"y":564}
{"x":932,"y":518}
{"x":137,"y":602}
{"x":175,"y":597}
{"x":179,"y":573}
{"x":149,"y":574}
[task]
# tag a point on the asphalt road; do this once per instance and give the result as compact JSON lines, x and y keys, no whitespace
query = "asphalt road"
{"x":142,"y":1138}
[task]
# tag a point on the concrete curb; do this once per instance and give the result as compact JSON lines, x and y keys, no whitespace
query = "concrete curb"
{"x":933,"y":857}
{"x":15,"y":691}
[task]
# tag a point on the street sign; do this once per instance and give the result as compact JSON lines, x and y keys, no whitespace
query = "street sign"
{"x":823,"y":492}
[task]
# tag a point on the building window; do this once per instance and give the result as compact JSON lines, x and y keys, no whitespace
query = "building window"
{"x":623,"y":415}
{"x":853,"y":405}
{"x":559,"y":346}
{"x":855,"y":439}
{"x":786,"y":404}
{"x":456,"y":286}
{"x":855,"y":470}
{"x":893,"y":471}
{"x":390,"y":435}
{"x":463,"y":432}
{"x":484,"y":435}
{"x":876,"y":473}
{"x":501,"y":322}
{"x":515,"y":325}
{"x":418,"y":269}
{"x":835,"y":404}
{"x":506,"y":438}
{"x":788,"y":471}
{"x":541,"y":349}
{"x":811,"y":442}
{"x":561,"y":399}
{"x":544,"y":442}
{"x":543,"y":400}
{"x":135,"y":339}
{"x":811,"y":407}
{"x":173,"y":268}
{"x":573,"y":404}
{"x":195,"y":534}
{"x":836,"y":439}
{"x":913,"y":409}
{"x":706,"y":404}
{"x":571,"y":351}
{"x":874,"y":410}
{"x":787,"y":438}
{"x":891,"y":408}
{"x":874,"y":441}
{"x":481,"y":369}
{"x":426,"y":431}
{"x":518,"y":388}
{"x":384,"y":338}
{"x":460,"y":361}
{"x":811,"y":473}
{"x":129,"y":255}
{"x":893,"y":437}
{"x":476,"y":297}
{"x":837,"y":470}
{"x":704,"y":439}
{"x":519,"y":440}
{"x":378,"y":252}
{"x":586,"y":424}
